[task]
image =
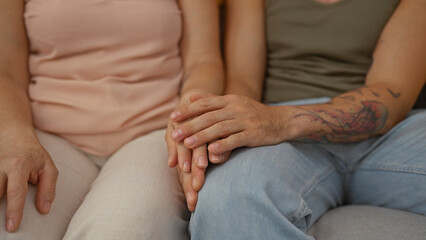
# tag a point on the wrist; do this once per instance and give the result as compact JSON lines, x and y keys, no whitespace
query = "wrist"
{"x":18,"y":131}
{"x":288,"y":125}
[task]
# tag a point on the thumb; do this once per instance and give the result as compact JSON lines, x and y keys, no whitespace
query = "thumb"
{"x":171,"y":149}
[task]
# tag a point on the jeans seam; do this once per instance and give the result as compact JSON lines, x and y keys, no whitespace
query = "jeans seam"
{"x":300,"y":212}
{"x":303,"y":206}
{"x":413,"y":170}
{"x":315,"y":183}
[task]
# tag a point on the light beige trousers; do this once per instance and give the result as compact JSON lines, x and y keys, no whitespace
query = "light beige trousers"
{"x":135,"y":195}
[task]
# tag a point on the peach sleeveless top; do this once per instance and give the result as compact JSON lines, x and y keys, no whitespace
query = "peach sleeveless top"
{"x":103,"y":72}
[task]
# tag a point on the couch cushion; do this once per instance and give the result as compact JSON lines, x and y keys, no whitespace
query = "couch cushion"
{"x":369,"y":223}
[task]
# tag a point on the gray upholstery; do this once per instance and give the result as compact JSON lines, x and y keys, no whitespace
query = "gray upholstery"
{"x":369,"y":223}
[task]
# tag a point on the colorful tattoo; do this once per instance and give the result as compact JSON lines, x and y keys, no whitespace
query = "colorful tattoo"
{"x":368,"y":119}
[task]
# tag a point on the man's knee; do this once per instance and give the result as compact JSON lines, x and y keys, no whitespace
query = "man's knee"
{"x":244,"y":193}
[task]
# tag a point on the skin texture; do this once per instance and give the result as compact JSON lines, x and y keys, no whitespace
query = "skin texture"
{"x":203,"y":74}
{"x":240,"y":20}
{"x":391,"y":88}
{"x":23,"y":159}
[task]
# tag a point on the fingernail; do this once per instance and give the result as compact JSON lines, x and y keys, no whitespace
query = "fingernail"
{"x":177,"y":133}
{"x":46,"y":206}
{"x":202,"y":162}
{"x":190,"y":141}
{"x":214,"y":158}
{"x":10,"y":225}
{"x":186,"y":167}
{"x":175,"y":115}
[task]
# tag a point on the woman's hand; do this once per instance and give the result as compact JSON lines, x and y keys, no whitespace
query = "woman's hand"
{"x":180,"y":155}
{"x":227,"y":122}
{"x":190,"y":163}
{"x":191,"y":178}
{"x":21,"y":161}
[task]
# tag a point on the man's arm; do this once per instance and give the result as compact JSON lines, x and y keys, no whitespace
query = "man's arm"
{"x":392,"y":86}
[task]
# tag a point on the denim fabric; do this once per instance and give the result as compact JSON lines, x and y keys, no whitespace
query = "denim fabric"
{"x":278,"y":192}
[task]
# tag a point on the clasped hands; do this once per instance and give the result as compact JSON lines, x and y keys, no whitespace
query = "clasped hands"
{"x":207,"y":128}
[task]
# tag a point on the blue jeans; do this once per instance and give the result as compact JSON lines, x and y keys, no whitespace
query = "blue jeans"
{"x":278,"y":192}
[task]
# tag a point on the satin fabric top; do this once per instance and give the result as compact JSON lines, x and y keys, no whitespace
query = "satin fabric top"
{"x":103,"y":72}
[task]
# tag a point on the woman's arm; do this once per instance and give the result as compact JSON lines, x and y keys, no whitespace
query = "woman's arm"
{"x":14,"y":104}
{"x":22,"y":158}
{"x":391,"y":88}
{"x":200,"y":48}
{"x":245,"y":49}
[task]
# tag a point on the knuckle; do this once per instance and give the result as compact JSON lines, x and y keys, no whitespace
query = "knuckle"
{"x":233,"y":111}
{"x":231,"y":97}
{"x":183,"y":110}
{"x":55,"y":171}
{"x":15,"y":162}
{"x":207,"y":118}
{"x":16,"y":192}
{"x":204,"y":103}
{"x":223,"y":127}
{"x":187,"y":128}
{"x":51,"y":170}
{"x":240,"y":109}
{"x":240,"y":139}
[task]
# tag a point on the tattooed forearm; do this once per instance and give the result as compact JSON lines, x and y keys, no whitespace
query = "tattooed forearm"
{"x":345,"y":126}
{"x":394,"y":95}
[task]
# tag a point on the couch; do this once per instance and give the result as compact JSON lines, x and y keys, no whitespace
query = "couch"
{"x":369,"y":223}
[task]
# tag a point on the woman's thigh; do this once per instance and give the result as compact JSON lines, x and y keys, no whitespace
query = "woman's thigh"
{"x":76,"y":173}
{"x":267,"y":193}
{"x":136,"y":196}
{"x":393,"y":173}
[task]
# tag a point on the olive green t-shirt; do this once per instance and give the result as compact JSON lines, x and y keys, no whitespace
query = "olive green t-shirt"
{"x":317,"y":49}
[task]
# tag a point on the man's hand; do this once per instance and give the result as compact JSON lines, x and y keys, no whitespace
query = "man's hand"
{"x":226,"y":122}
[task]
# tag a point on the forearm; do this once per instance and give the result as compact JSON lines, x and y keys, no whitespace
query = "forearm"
{"x":350,"y":117}
{"x":15,"y":112}
{"x":200,"y":48}
{"x":204,"y":78}
{"x":392,"y":85}
{"x":245,"y":48}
